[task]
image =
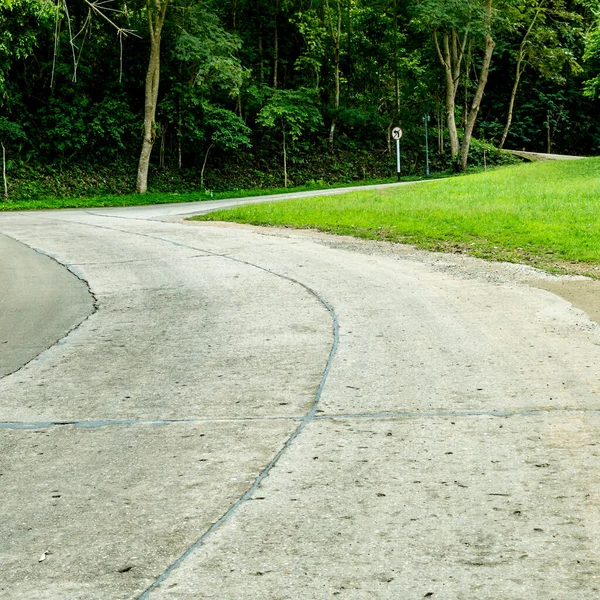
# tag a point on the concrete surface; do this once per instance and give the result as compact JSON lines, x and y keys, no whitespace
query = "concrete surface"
{"x":265,"y":414}
{"x":537,"y":156}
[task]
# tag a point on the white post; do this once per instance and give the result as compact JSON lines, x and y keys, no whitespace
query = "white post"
{"x":398,"y":158}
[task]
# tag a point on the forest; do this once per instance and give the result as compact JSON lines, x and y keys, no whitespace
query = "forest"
{"x":110,"y":96}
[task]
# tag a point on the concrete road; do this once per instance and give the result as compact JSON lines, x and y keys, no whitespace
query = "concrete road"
{"x":541,"y":156}
{"x":265,"y":414}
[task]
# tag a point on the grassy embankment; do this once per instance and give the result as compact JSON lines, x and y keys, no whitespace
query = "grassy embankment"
{"x":545,"y":214}
{"x":170,"y":198}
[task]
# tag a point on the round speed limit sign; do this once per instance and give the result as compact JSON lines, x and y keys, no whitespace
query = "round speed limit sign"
{"x":396,"y":133}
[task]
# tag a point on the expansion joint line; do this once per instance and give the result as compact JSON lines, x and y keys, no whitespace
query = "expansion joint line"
{"x":310,"y":415}
{"x":319,"y":416}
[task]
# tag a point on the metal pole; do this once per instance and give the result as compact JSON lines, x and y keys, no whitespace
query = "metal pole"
{"x":426,"y":119}
{"x":398,"y":158}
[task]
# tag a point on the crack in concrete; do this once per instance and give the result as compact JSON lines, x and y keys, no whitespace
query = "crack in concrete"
{"x":132,"y":261}
{"x":457,"y":414}
{"x":310,"y":415}
{"x":98,"y":423}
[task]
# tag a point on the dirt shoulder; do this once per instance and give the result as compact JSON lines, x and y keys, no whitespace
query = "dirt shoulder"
{"x":581,"y":293}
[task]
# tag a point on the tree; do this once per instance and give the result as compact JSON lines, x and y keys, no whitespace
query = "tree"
{"x":224,"y":130}
{"x":204,"y":71}
{"x":156,"y":11}
{"x":455,"y":25}
{"x":333,"y":20}
{"x":592,"y":54}
{"x":539,"y":23}
{"x":21,"y":21}
{"x":292,"y":112}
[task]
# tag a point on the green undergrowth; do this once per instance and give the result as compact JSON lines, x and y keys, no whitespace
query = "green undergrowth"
{"x":546,"y":214}
{"x":92,"y":183}
{"x":173,"y":197}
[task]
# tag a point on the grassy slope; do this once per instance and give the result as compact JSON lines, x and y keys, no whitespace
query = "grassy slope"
{"x":167,"y":198}
{"x":547,"y":214}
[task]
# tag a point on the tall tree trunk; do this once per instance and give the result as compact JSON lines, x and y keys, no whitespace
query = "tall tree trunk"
{"x":276,"y":42}
{"x":440,"y":123}
{"x":156,"y":11}
{"x":451,"y":53}
{"x":518,"y":72}
{"x":163,"y":140}
{"x":262,"y":62}
{"x":285,"y":174}
{"x":483,"y":76}
{"x":396,"y":77}
{"x":4,"y":170}
{"x":204,"y":167}
{"x":336,"y":36}
{"x":511,"y":104}
{"x":179,"y":131}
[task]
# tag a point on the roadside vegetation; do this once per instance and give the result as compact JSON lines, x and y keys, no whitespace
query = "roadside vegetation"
{"x":166,"y":96}
{"x":544,"y":214}
{"x":168,"y":197}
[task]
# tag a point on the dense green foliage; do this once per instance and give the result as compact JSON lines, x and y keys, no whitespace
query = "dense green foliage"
{"x":545,"y":213}
{"x":255,"y":92}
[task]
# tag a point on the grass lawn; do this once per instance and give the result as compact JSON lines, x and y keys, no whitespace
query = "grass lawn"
{"x":546,"y":214}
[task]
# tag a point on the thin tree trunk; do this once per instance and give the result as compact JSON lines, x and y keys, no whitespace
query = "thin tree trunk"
{"x":440,"y":123}
{"x":285,"y":175}
{"x":262,"y":60}
{"x":204,"y":166}
{"x":276,"y":58}
{"x":349,"y":50}
{"x":336,"y":35}
{"x":179,"y":123}
{"x":483,"y":76}
{"x":396,"y":78}
{"x":156,"y":11}
{"x":332,"y":132}
{"x":511,"y":104}
{"x":518,"y":72}
{"x":467,"y":81}
{"x":179,"y":127}
{"x":451,"y":55}
{"x":4,"y":170}
{"x":163,"y":138}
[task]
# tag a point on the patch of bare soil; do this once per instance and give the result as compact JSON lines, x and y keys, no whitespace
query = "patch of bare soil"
{"x":581,"y":293}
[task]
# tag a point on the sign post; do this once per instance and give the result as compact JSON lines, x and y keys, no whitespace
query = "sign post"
{"x":397,"y":135}
{"x":426,"y":121}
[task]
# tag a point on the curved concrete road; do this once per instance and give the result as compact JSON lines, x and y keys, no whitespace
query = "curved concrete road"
{"x":265,"y":414}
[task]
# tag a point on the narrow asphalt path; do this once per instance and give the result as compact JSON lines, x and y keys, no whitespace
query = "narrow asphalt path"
{"x":265,"y":414}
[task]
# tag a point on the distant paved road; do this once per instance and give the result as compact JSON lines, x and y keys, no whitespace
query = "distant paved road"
{"x":257,"y":414}
{"x":540,"y":156}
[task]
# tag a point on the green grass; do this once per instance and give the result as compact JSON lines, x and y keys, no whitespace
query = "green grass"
{"x":546,"y":214}
{"x":168,"y":198}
